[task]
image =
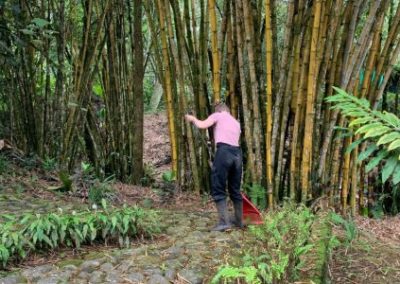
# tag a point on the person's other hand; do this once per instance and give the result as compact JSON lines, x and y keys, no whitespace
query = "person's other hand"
{"x":189,"y":118}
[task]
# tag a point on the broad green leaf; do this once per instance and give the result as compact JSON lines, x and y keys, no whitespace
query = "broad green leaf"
{"x":387,"y":138}
{"x":40,"y":22}
{"x":360,"y":120}
{"x":396,"y":175}
{"x":363,"y":155}
{"x":394,"y":145}
{"x":369,"y":127}
{"x":377,"y":132}
{"x":354,"y":113}
{"x":114,"y":221}
{"x":47,"y":240}
{"x":376,"y":160}
{"x":389,"y":168}
{"x":392,"y":119}
{"x":84,"y":231}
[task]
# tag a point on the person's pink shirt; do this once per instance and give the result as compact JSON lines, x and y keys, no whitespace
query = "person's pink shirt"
{"x":226,"y":127}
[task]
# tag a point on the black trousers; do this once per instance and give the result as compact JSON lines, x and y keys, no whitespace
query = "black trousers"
{"x":227,"y":168}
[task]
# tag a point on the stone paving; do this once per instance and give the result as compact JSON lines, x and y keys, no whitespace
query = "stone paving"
{"x":186,"y":252}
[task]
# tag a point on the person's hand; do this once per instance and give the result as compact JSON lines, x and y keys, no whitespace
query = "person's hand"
{"x":189,"y":118}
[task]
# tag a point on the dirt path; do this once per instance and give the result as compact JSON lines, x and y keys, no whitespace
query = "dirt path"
{"x":373,"y":256}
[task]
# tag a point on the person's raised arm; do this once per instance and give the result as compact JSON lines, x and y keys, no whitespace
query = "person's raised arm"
{"x":201,"y":123}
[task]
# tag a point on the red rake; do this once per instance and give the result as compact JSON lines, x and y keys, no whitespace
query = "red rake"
{"x":251,"y":215}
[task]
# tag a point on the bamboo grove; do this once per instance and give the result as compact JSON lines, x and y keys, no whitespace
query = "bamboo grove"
{"x":273,"y":62}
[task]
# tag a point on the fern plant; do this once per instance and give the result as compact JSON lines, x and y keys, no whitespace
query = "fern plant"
{"x":381,"y":129}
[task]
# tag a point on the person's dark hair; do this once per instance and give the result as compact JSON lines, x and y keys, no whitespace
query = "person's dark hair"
{"x":220,"y":107}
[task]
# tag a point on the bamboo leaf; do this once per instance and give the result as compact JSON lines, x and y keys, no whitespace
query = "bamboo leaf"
{"x":389,"y":167}
{"x":363,"y":155}
{"x":387,"y":138}
{"x":376,"y":160}
{"x":394,"y":145}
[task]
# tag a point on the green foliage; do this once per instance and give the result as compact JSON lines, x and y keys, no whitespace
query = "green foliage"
{"x":168,"y":176}
{"x":87,"y":168}
{"x":381,"y":129}
{"x":247,"y":273}
{"x":49,"y":164}
{"x":257,"y":195}
{"x":20,"y":236}
{"x":66,"y":181}
{"x":349,"y":227}
{"x":280,"y":243}
{"x":101,"y":191}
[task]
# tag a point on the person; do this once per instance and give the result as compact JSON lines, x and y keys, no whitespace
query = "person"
{"x":227,"y":164}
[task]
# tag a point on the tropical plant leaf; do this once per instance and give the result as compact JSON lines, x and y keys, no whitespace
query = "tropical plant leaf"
{"x":377,"y":132}
{"x":363,"y":155}
{"x":376,"y":160}
{"x":40,"y":22}
{"x":353,"y":145}
{"x":396,"y":175}
{"x":387,"y":138}
{"x":392,"y":119}
{"x":394,"y":145}
{"x":389,"y":168}
{"x":360,"y":120}
{"x":368,"y":127}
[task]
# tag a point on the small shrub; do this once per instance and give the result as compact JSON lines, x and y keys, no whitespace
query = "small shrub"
{"x":101,"y":191}
{"x":49,"y":164}
{"x":349,"y":227}
{"x":257,"y":195}
{"x":168,"y":176}
{"x":280,"y":243}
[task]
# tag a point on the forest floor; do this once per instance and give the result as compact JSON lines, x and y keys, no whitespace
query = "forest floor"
{"x":186,"y":252}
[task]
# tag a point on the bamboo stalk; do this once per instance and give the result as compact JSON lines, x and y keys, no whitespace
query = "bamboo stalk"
{"x":309,"y":123}
{"x":168,"y":87}
{"x":214,"y":48}
{"x":245,"y":104}
{"x":254,"y":89}
{"x":268,"y":131}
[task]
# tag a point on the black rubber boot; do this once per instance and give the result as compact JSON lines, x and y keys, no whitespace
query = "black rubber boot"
{"x":223,"y":218}
{"x":237,"y":218}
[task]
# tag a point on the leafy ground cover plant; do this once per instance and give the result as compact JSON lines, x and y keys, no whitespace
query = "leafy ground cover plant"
{"x":293,"y":244}
{"x":21,"y":236}
{"x":275,"y":258}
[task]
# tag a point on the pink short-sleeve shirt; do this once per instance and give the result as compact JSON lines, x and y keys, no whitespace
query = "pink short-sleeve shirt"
{"x":226,"y":128}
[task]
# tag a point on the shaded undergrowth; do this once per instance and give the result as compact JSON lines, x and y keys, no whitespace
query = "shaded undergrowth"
{"x":21,"y":236}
